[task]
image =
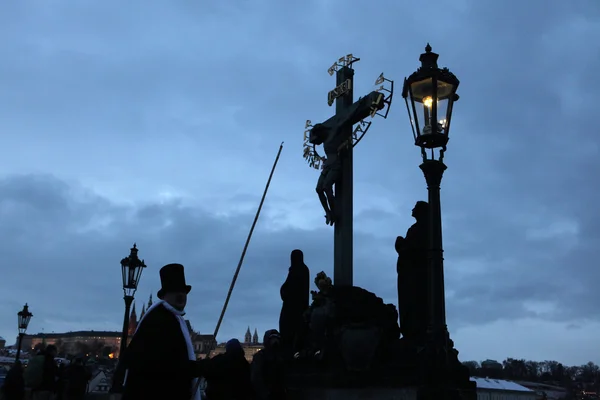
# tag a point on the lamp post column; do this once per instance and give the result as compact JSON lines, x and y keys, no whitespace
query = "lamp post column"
{"x":434,"y":171}
{"x":19,"y":346}
{"x":124,"y":333}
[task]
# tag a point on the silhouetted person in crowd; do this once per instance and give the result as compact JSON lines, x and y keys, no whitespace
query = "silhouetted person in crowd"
{"x":294,"y":293}
{"x":268,"y":369}
{"x":78,"y":377}
{"x":14,"y":384}
{"x":228,"y":375}
{"x":412,"y":275}
{"x":61,"y":382}
{"x":47,"y":388}
{"x":160,"y":359}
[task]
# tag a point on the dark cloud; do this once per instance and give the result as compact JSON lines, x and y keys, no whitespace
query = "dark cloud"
{"x":158,"y":125}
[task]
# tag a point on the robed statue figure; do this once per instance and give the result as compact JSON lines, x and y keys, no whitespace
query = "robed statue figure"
{"x":412,"y":275}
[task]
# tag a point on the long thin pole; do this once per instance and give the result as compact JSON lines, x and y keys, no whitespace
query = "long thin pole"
{"x":239,"y":266}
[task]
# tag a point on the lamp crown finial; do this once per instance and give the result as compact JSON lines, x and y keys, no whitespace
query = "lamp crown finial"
{"x":428,"y":48}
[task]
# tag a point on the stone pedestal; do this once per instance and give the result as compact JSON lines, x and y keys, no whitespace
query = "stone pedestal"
{"x":362,"y":358}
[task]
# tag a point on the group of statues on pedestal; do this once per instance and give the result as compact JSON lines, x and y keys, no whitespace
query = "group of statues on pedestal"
{"x":351,"y":321}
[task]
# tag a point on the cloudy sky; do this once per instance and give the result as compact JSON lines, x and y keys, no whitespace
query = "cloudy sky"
{"x":158,"y":122}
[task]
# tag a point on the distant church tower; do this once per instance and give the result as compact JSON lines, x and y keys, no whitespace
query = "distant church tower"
{"x":144,"y":307}
{"x":255,"y":337}
{"x":132,"y":321}
{"x":248,"y":336}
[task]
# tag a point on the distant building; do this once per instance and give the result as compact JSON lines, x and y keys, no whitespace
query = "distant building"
{"x":491,"y":364}
{"x":251,"y":345}
{"x":133,"y":319}
{"x":497,"y":389}
{"x":203,"y":344}
{"x":2,"y":342}
{"x":550,"y":392}
{"x":71,"y":342}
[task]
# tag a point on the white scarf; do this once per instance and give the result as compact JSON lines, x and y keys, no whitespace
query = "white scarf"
{"x":186,"y":335}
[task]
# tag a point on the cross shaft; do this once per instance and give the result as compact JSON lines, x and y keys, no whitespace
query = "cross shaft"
{"x":336,"y":135}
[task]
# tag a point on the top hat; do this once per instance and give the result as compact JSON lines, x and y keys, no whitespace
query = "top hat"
{"x":172,"y":279}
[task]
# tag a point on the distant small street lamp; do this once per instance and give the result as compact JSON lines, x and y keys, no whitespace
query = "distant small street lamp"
{"x":24,"y":316}
{"x":131,"y":269}
{"x":430,"y":93}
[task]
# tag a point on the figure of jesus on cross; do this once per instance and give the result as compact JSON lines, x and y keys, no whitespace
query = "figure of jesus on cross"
{"x":335,"y":136}
{"x":338,"y":139}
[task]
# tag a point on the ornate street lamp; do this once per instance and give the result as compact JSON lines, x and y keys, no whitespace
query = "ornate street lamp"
{"x":430,"y":93}
{"x":24,"y":316}
{"x":131,"y":269}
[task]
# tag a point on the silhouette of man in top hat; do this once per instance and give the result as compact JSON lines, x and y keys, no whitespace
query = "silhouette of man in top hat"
{"x":160,"y":359}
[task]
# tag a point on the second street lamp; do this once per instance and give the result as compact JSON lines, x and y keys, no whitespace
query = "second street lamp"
{"x":24,"y":316}
{"x":131,"y":270}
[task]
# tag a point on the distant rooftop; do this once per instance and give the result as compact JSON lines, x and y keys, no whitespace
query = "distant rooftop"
{"x":74,"y":334}
{"x":499,"y":384}
{"x":541,"y":385}
{"x":205,"y":337}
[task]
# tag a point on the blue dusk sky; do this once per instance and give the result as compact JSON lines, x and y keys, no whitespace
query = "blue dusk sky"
{"x":157,"y":122}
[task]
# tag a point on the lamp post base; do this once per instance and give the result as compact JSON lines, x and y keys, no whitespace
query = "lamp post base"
{"x":119,"y":375}
{"x":441,"y":374}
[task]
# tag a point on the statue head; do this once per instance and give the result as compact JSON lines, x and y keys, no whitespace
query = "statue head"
{"x":420,"y":210}
{"x":318,"y":134}
{"x":323,"y":282}
{"x":297,"y":257}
